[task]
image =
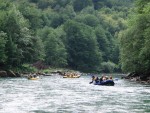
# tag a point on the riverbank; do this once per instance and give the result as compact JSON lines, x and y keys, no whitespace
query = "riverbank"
{"x":31,"y":70}
{"x":9,"y":73}
{"x":137,"y":77}
{"x":42,"y":72}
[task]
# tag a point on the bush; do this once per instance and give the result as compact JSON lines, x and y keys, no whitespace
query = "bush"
{"x":28,"y":68}
{"x":108,"y":67}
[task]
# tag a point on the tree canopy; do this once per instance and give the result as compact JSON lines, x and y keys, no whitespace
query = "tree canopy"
{"x":78,"y":34}
{"x":135,"y":40}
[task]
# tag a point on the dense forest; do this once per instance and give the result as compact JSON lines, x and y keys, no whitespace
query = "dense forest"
{"x":85,"y":35}
{"x":135,"y":40}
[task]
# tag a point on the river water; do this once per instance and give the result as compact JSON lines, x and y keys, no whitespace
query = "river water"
{"x":55,"y":94}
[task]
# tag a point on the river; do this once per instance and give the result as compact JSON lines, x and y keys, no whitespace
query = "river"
{"x":55,"y":94}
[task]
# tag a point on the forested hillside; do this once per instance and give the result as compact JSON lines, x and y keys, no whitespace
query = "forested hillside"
{"x":135,"y":40}
{"x":79,"y":34}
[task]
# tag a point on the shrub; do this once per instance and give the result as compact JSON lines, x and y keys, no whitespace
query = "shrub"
{"x":108,"y":67}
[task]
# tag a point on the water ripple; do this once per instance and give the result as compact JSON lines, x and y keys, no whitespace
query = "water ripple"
{"x":58,"y":95}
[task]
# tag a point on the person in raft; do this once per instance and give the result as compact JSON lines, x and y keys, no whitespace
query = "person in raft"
{"x":94,"y":79}
{"x":102,"y":79}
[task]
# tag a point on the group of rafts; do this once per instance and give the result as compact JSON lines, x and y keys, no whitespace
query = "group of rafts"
{"x":104,"y":80}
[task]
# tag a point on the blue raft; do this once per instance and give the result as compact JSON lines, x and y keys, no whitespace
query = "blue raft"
{"x":105,"y":83}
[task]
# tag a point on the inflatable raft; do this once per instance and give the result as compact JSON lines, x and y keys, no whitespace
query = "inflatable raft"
{"x":105,"y":83}
{"x":76,"y":76}
{"x":33,"y":78}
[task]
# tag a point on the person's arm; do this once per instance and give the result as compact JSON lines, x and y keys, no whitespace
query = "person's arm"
{"x":91,"y":81}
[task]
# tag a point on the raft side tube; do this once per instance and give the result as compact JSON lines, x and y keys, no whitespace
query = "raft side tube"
{"x":106,"y":83}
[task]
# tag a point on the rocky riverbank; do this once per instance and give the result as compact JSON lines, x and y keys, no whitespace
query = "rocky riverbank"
{"x":10,"y":73}
{"x":137,"y":77}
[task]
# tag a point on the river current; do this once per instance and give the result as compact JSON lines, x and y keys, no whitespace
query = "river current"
{"x":55,"y":94}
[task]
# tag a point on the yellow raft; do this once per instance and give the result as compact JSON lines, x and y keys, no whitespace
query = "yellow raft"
{"x":33,"y":78}
{"x":76,"y":76}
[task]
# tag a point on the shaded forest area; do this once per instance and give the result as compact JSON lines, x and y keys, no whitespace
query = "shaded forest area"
{"x":135,"y":40}
{"x":77,"y":34}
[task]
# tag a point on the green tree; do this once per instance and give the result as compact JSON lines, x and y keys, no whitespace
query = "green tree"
{"x":32,"y":14}
{"x":57,"y":20}
{"x":102,"y":42}
{"x":3,"y":40}
{"x":56,"y":54}
{"x":79,"y":5}
{"x":20,"y":43}
{"x":53,"y":39}
{"x":43,"y":4}
{"x":108,"y":67}
{"x":88,"y":19}
{"x":134,"y":40}
{"x":82,"y":47}
{"x":67,"y":13}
